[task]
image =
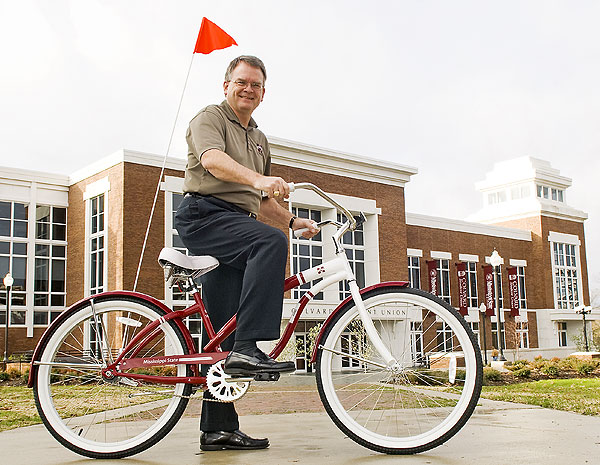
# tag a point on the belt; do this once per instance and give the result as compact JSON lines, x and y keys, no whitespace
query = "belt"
{"x":221,"y":203}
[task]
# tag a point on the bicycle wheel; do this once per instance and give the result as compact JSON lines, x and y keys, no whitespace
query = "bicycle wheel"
{"x":102,"y":419}
{"x":426,"y":398}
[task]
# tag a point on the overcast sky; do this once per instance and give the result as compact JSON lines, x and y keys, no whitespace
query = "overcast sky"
{"x":449,"y":87}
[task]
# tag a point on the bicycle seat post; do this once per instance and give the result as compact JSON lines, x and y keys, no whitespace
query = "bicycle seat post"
{"x":190,"y":286}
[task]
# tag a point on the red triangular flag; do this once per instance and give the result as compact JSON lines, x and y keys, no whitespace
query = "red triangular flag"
{"x":211,"y":37}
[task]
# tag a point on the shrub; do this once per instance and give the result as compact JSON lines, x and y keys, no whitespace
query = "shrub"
{"x":13,"y":373}
{"x":517,"y":365}
{"x":550,"y":369}
{"x":491,"y":374}
{"x":4,"y":376}
{"x":569,"y":363}
{"x":427,"y":377}
{"x":524,"y":372}
{"x":585,"y":368}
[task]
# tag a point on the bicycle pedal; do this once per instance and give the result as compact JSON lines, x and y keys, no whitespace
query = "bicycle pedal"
{"x":267,"y":376}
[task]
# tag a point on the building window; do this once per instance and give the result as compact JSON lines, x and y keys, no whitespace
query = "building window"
{"x":522,"y":330}
{"x":49,"y":281}
{"x":354,"y":243}
{"x":51,"y":223}
{"x":566,"y":273}
{"x":13,"y":219}
{"x":521,"y":285}
{"x":416,"y":342}
{"x":550,"y":193}
{"x":471,"y":269}
{"x":562,"y":333}
{"x":519,"y":192}
{"x":495,"y":335}
{"x":414,"y":272}
{"x":306,"y":253}
{"x":97,"y":243}
{"x":444,"y":338}
{"x":177,"y":244}
{"x":50,"y":263}
{"x":304,"y":334}
{"x":496,"y":197}
{"x":354,"y":343}
{"x":13,"y":259}
{"x":474,"y":325}
{"x":443,"y":269}
{"x":182,"y":299}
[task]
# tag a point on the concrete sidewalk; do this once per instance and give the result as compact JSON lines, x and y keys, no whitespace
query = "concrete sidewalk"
{"x":498,"y":433}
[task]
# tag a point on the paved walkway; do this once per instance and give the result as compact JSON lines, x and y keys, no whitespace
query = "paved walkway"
{"x":498,"y":433}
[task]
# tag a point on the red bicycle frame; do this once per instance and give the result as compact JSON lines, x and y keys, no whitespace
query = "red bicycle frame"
{"x":212,"y":351}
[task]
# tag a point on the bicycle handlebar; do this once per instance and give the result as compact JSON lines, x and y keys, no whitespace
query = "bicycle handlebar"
{"x":317,"y":190}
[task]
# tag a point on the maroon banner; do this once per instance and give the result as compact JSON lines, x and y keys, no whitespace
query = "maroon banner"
{"x":432,"y":276}
{"x":513,"y":290}
{"x":463,"y":301}
{"x":488,"y":279}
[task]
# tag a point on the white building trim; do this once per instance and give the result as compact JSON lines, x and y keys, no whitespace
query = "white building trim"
{"x":96,"y":188}
{"x":416,"y":219}
{"x":437,"y":255}
{"x":414,"y":252}
{"x":488,"y":260}
{"x":283,"y":152}
{"x":299,"y":155}
{"x":564,"y":238}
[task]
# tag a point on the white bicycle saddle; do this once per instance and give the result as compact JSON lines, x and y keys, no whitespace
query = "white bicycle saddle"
{"x":196,"y":266}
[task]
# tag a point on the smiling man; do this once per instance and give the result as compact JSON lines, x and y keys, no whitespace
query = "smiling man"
{"x":228,"y":183}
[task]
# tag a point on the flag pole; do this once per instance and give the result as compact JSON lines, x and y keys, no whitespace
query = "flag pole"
{"x":162,"y":171}
{"x":210,"y":37}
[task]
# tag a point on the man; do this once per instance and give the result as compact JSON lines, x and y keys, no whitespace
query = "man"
{"x":227,"y":184}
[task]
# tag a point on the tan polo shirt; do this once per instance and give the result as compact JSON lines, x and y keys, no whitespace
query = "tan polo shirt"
{"x":218,"y":127}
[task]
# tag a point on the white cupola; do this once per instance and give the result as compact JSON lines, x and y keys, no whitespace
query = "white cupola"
{"x":524,"y":187}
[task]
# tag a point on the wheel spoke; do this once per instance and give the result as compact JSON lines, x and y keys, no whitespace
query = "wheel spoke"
{"x":108,"y":418}
{"x":412,"y":405}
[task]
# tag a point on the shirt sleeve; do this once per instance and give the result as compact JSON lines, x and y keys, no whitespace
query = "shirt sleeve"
{"x":207,"y":131}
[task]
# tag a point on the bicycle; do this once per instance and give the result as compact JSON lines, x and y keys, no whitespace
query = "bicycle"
{"x":397,"y":386}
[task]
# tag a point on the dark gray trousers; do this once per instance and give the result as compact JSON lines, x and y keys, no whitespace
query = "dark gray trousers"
{"x":248,"y":281}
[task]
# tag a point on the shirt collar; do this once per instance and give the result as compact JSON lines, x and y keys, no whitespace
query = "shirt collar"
{"x":233,"y":117}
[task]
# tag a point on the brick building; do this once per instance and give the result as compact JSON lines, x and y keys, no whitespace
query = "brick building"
{"x":66,"y":237}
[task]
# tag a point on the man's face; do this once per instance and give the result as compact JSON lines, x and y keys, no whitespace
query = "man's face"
{"x":245,"y":90}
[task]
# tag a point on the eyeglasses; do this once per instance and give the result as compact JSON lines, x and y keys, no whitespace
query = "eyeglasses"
{"x":243,"y":84}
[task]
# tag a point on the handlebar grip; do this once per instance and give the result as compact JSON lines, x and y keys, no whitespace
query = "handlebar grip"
{"x":291,"y":186}
{"x":299,"y":232}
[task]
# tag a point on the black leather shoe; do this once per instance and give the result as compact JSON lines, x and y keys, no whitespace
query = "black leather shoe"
{"x":221,"y":440}
{"x":237,"y":364}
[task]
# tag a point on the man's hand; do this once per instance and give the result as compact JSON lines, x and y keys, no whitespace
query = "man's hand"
{"x":309,"y":225}
{"x":275,"y":187}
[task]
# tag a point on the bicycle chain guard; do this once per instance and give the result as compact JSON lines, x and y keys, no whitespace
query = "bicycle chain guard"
{"x":223,"y":387}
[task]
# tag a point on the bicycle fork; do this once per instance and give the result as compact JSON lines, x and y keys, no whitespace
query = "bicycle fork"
{"x":386,"y":355}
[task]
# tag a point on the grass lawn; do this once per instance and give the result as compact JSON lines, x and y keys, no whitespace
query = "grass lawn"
{"x":574,"y":395}
{"x":17,"y":407}
{"x":578,"y":395}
